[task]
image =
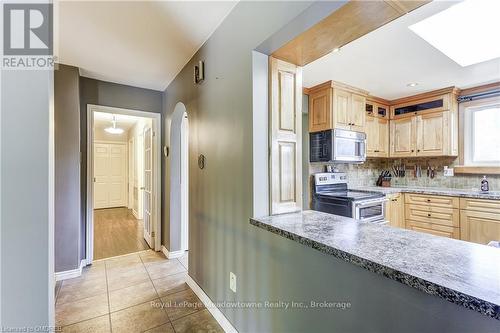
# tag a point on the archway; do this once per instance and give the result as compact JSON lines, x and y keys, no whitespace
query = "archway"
{"x":179,"y":177}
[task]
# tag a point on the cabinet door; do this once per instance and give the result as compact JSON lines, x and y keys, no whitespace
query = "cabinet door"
{"x":383,"y":137}
{"x":357,"y":112}
{"x":395,"y":210}
{"x":320,"y":108}
{"x":372,"y":136}
{"x":341,"y":107}
{"x":430,"y":134}
{"x":479,"y":227}
{"x":403,"y":137}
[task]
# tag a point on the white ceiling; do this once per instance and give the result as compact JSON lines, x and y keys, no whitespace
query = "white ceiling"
{"x":139,"y":43}
{"x":384,"y":61}
{"x":103,"y":119}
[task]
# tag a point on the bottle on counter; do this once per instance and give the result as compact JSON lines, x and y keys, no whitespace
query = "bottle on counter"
{"x":485,"y":186}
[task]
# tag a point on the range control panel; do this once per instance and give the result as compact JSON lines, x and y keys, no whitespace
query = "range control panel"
{"x":330,"y":178}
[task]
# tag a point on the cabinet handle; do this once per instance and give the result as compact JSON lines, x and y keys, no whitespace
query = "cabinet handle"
{"x":428,"y":200}
{"x":412,"y":150}
{"x":429,"y":215}
{"x":418,"y":150}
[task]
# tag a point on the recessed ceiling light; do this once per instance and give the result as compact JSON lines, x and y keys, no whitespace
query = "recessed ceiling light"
{"x":413,"y":84}
{"x":335,"y":50}
{"x":465,"y":32}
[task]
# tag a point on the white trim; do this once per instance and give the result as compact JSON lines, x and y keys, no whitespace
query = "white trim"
{"x":156,"y":126}
{"x":112,"y":142}
{"x":73,"y":273}
{"x":216,"y":313}
{"x":469,"y":108}
{"x":173,"y":254}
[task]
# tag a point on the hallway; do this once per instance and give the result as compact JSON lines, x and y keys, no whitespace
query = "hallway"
{"x":117,"y":232}
{"x":140,"y":292}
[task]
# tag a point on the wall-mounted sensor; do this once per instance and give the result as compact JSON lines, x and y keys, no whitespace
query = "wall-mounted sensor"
{"x":199,"y":72}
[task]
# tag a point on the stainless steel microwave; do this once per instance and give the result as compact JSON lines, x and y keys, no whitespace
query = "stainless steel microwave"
{"x":337,"y":145}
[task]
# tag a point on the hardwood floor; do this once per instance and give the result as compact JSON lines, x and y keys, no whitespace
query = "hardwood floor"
{"x":117,"y":232}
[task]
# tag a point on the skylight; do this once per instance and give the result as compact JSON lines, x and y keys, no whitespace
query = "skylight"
{"x":467,"y":32}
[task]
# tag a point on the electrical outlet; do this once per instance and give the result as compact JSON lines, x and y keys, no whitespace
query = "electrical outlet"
{"x":448,"y":172}
{"x":232,"y":281}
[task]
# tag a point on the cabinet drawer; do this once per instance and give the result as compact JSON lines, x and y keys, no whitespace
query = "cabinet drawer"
{"x":489,"y":206}
{"x":434,"y":229}
{"x":432,"y":200}
{"x":433,"y":214}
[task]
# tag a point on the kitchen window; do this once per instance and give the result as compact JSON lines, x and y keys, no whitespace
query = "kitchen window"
{"x":482,"y":133}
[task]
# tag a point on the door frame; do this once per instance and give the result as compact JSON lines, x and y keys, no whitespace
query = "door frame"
{"x":156,"y":126}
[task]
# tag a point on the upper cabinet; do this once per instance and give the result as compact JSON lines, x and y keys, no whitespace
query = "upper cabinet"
{"x":377,"y":127}
{"x":335,"y":105}
{"x":425,"y":125}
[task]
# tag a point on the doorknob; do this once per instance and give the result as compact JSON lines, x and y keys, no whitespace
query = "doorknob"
{"x":142,"y":188}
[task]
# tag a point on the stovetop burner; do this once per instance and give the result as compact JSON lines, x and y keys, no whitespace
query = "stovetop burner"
{"x":350,"y":195}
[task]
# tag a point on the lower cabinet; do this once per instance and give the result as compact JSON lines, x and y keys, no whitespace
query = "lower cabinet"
{"x":434,"y":229}
{"x":479,"y":220}
{"x":436,"y":215}
{"x":468,"y":219}
{"x":395,"y":210}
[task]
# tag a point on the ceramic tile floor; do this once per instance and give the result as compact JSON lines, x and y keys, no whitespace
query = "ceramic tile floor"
{"x":140,"y":292}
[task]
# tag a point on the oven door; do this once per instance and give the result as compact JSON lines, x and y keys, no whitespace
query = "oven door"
{"x":349,"y":146}
{"x":370,"y":211}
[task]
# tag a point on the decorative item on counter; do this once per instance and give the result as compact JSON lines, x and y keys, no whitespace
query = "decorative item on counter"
{"x":485,"y":186}
{"x":384,"y":179}
{"x":329,"y":168}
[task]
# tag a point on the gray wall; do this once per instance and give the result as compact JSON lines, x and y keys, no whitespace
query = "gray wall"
{"x":268,"y":267}
{"x":115,"y":95}
{"x":27,"y":224}
{"x":67,"y":168}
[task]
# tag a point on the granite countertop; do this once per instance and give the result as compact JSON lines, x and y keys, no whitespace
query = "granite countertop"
{"x":464,"y":273}
{"x":494,"y":195}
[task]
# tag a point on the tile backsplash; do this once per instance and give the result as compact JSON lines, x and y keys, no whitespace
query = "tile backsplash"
{"x":366,"y":174}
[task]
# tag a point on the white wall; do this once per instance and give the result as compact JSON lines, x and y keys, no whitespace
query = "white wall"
{"x":27,"y":198}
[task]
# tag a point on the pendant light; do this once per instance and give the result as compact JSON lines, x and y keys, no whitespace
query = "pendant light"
{"x":113,"y":129}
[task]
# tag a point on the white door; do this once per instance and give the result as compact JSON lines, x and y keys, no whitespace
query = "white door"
{"x":131,"y":170}
{"x":101,"y":167}
{"x":110,"y":175}
{"x":148,"y":186}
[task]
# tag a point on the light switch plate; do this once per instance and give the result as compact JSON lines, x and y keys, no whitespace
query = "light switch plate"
{"x":232,"y":281}
{"x":448,"y":172}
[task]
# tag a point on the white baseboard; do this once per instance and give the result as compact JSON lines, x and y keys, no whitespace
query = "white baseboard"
{"x":172,"y":254}
{"x":73,"y":273}
{"x":216,"y":313}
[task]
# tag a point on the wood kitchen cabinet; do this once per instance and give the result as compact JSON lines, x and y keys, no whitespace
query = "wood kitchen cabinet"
{"x":377,"y":136}
{"x":425,"y":126}
{"x":395,"y":210}
{"x":479,"y":220}
{"x":403,"y":137}
{"x":432,"y":134}
{"x":436,"y":215}
{"x":336,"y":105}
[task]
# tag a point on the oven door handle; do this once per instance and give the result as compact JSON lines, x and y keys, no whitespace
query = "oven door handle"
{"x":368,"y":203}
